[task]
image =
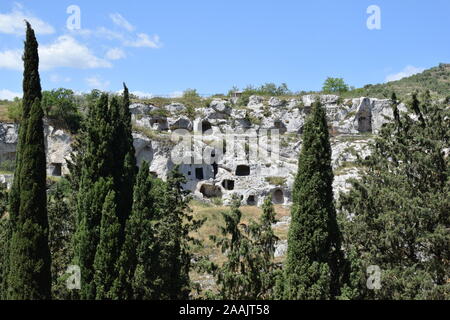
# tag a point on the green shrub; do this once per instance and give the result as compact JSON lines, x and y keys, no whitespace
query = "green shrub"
{"x":7,"y":166}
{"x":15,"y":110}
{"x":277,"y":181}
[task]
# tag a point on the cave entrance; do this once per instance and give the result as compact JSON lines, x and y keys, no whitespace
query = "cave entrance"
{"x":199,"y":174}
{"x":206,"y":126}
{"x":228,"y":184}
{"x":278,"y":197}
{"x":210,"y":191}
{"x":251,"y":200}
{"x":242,"y":170}
{"x":365,"y":123}
{"x":56,"y":169}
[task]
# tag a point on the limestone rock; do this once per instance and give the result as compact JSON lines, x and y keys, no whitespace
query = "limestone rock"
{"x":275,"y":102}
{"x":175,"y":107}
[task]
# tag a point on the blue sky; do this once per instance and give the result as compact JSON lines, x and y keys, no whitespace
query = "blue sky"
{"x":165,"y":47}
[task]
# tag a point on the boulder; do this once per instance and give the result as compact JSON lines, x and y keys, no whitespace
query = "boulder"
{"x":176,"y":107}
{"x":275,"y":102}
{"x":139,"y":108}
{"x":180,"y":123}
{"x":221,"y":106}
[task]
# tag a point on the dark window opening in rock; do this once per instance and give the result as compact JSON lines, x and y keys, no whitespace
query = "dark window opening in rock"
{"x":278,"y":124}
{"x":199,"y":174}
{"x":251,"y":200}
{"x":57,"y":169}
{"x":215,"y":169}
{"x":278,"y":197}
{"x":210,"y":191}
{"x":189,"y":173}
{"x":228,"y":184}
{"x":206,"y":126}
{"x":364,"y":124}
{"x":242,"y":170}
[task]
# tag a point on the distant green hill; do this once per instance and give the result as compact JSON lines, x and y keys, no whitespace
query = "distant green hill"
{"x":436,"y":79}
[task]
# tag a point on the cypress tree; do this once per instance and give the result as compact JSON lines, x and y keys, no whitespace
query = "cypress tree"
{"x":29,"y":255}
{"x":95,"y":165}
{"x":125,"y":168}
{"x":87,"y":237}
{"x":108,"y":249}
{"x":106,"y":162}
{"x":136,"y":263}
{"x":311,"y":270}
{"x":61,"y":218}
{"x":172,"y":246}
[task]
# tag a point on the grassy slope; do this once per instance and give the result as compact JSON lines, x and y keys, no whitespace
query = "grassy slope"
{"x":436,"y":79}
{"x":215,"y":219}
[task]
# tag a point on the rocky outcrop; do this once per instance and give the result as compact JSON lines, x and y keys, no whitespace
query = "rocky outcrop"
{"x":258,"y":167}
{"x":57,"y":144}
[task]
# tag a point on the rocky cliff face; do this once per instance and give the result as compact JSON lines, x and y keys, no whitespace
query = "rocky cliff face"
{"x":257,"y":165}
{"x":57,"y":145}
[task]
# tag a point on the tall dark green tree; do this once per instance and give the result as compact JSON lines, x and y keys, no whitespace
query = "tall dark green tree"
{"x":125,"y":169}
{"x":108,"y":249}
{"x":139,"y":240}
{"x":87,"y":237}
{"x":95,"y":167}
{"x":314,"y":241}
{"x":156,"y":256}
{"x":61,"y":217}
{"x":397,"y":215}
{"x":249,"y":271}
{"x":104,"y":162}
{"x":29,"y":275}
{"x":173,"y":241}
{"x":137,"y":261}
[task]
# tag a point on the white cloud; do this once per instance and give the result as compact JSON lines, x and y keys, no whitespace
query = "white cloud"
{"x":13,"y":22}
{"x":115,"y":54}
{"x":67,"y":52}
{"x":120,"y":21}
{"x":64,"y":52}
{"x":95,"y":82}
{"x":406,"y":72}
{"x":143,"y":40}
{"x":6,"y":94}
{"x":106,"y":33}
{"x":11,"y":59}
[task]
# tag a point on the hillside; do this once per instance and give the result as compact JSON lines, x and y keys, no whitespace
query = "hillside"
{"x":436,"y":79}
